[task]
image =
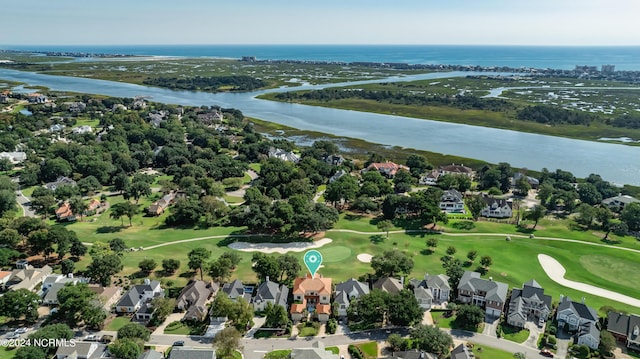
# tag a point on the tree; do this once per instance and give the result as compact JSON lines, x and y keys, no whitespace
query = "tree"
{"x":20,"y":303}
{"x":227,"y":341}
{"x":607,"y":342}
{"x":431,"y":339}
{"x":42,"y":205}
{"x":51,"y":331}
{"x":369,"y":308}
{"x":186,"y":212}
{"x":471,"y":255}
{"x":162,"y":308}
{"x":589,"y":194}
{"x":170,"y":266}
{"x":604,"y":216}
{"x":586,"y":214}
{"x":9,"y":237}
{"x":535,"y":214}
{"x":265,"y":266}
{"x":134,"y":331}
{"x":476,"y":204}
{"x":102,"y":268}
{"x":117,"y":245}
{"x":392,"y":263}
{"x":454,"y":271}
{"x":385,"y":225}
{"x":138,"y":189}
{"x":29,"y":352}
{"x":275,"y":316}
{"x":470,"y":316}
{"x":417,"y":164}
{"x":432,"y":243}
{"x":78,"y":249}
{"x":197,"y":258}
{"x":519,"y":355}
{"x":289,"y":268}
{"x":486,"y":261}
{"x":7,"y":201}
{"x":147,"y":265}
{"x":125,"y":208}
{"x":117,"y":211}
{"x":451,"y":250}
{"x":344,"y":188}
{"x":89,"y":185}
{"x":125,"y":349}
{"x":233,"y":257}
{"x":522,"y":185}
{"x":67,"y":266}
{"x":404,"y":309}
{"x":77,"y":303}
{"x":631,"y":216}
{"x":220,"y":270}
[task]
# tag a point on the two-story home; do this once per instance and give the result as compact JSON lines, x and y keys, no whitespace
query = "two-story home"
{"x":496,"y":207}
{"x":429,"y":179}
{"x":389,"y":285}
{"x":618,"y":202}
{"x":27,"y":277}
{"x":270,"y":292}
{"x":387,"y":169}
{"x":452,"y":202}
{"x":437,"y":288}
{"x":236,"y":290}
{"x":348,"y":291}
{"x":283,"y":155}
{"x":533,"y":182}
{"x":108,"y":295}
{"x":487,"y":294}
{"x":140,"y":294}
{"x":454,"y":169}
{"x":311,"y":294}
{"x":625,"y":328}
{"x":588,"y":335}
{"x":193,"y":299}
{"x":528,"y":304}
{"x":82,"y":350}
{"x":572,"y":315}
{"x":52,"y":285}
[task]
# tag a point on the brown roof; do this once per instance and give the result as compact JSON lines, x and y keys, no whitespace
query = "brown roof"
{"x":298,"y":307}
{"x":4,"y":274}
{"x":316,"y":284}
{"x":323,"y":308}
{"x":93,"y":204}
{"x":64,"y":210}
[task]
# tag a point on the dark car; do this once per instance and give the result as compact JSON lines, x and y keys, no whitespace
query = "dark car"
{"x":546,"y":353}
{"x":179,"y":343}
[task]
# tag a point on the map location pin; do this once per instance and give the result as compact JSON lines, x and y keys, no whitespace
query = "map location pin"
{"x":313,"y":260}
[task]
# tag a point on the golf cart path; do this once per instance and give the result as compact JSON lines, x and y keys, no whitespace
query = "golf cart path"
{"x":556,"y":272}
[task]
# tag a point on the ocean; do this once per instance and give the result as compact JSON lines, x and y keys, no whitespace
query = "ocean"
{"x":554,"y":57}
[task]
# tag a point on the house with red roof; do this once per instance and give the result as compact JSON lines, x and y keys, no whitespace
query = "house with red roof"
{"x":311,"y":295}
{"x":387,"y":169}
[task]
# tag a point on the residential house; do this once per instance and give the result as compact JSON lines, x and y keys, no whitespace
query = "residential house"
{"x":237,"y":290}
{"x":81,"y":130}
{"x":108,"y":295}
{"x":337,"y":175}
{"x":64,"y":212}
{"x":413,"y":354}
{"x":487,"y":294}
{"x":52,"y":284}
{"x":118,"y":107}
{"x":311,"y":294}
{"x":36,"y":98}
{"x":497,"y":207}
{"x":93,"y":207}
{"x":193,"y":299}
{"x":437,"y":286}
{"x":82,"y":350}
{"x":348,"y":291}
{"x":533,"y":182}
{"x":178,"y":352}
{"x":145,"y":312}
{"x":56,"y":127}
{"x":22,"y":264}
{"x":270,"y":292}
{"x":389,"y":285}
{"x":4,"y":96}
{"x":454,"y":169}
{"x":528,"y":304}
{"x":139,"y":294}
{"x":14,"y":157}
{"x":572,"y":315}
{"x":27,"y":278}
{"x":462,"y":352}
{"x":156,"y":118}
{"x":618,"y":202}
{"x":387,"y":169}
{"x":139,"y":103}
{"x":588,"y":335}
{"x":60,"y":181}
{"x":452,"y":202}
{"x":159,"y":206}
{"x":317,"y":351}
{"x":335,"y":160}
{"x":4,"y":278}
{"x":75,"y":106}
{"x":625,"y":328}
{"x":430,"y":178}
{"x":283,"y":155}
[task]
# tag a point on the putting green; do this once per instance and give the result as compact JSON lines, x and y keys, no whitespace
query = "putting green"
{"x":616,"y":270}
{"x":334,"y":254}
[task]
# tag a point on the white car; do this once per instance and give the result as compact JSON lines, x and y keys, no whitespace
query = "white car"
{"x":91,"y":338}
{"x":13,"y":336}
{"x":20,"y":330}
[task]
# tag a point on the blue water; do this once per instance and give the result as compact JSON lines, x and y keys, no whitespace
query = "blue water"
{"x":556,"y":57}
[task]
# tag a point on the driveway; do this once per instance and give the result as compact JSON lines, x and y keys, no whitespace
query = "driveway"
{"x":490,"y":326}
{"x":534,"y":334}
{"x":173,"y":317}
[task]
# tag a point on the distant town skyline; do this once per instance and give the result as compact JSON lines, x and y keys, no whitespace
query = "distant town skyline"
{"x":454,"y":22}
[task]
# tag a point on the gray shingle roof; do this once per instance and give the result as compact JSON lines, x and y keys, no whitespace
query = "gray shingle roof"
{"x":496,"y":291}
{"x":461,"y":352}
{"x":132,"y":297}
{"x":388,"y":284}
{"x":580,"y":309}
{"x":350,"y":289}
{"x":234,"y":289}
{"x":192,"y":353}
{"x":151,"y":354}
{"x":269,"y":290}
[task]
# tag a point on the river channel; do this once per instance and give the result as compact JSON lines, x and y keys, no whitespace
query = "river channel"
{"x":619,"y":164}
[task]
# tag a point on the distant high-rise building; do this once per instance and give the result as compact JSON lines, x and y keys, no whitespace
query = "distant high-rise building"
{"x":608,"y":69}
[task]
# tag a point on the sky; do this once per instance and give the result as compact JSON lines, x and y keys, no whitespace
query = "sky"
{"x":456,"y":22}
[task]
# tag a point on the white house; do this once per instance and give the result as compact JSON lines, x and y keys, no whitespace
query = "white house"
{"x":572,"y":315}
{"x":451,"y":202}
{"x":496,"y":207}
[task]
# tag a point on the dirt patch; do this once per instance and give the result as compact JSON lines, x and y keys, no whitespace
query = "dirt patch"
{"x":364,"y":257}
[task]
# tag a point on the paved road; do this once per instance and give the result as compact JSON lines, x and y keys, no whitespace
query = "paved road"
{"x":25,"y":204}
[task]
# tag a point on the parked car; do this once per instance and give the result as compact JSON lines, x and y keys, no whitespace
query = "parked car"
{"x":20,"y":330}
{"x":13,"y":336}
{"x":541,"y":322}
{"x":91,"y":338}
{"x":179,"y":343}
{"x":106,"y":339}
{"x":547,"y":353}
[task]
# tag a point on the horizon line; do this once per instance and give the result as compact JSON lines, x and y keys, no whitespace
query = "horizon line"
{"x":323,"y":44}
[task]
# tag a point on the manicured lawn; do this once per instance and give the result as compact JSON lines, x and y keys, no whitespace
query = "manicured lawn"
{"x":309,"y":329}
{"x":369,"y":349}
{"x":7,"y":353}
{"x":117,"y":323}
{"x":177,"y":328}
{"x":233,"y":199}
{"x":485,"y":352}
{"x":334,"y":350}
{"x":278,"y":354}
{"x":442,"y":322}
{"x":515,"y":334}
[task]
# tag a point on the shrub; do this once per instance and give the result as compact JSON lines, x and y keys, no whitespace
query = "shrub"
{"x":332,"y":326}
{"x":355,"y":352}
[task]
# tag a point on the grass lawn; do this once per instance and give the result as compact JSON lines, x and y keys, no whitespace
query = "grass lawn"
{"x":7,"y":353}
{"x":334,"y":350}
{"x":177,"y":328}
{"x":235,"y":355}
{"x":515,"y":334}
{"x":442,"y":322}
{"x":484,"y":352}
{"x":233,"y":199}
{"x":309,"y":329}
{"x":117,"y":323}
{"x":278,"y":354}
{"x":369,"y":349}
